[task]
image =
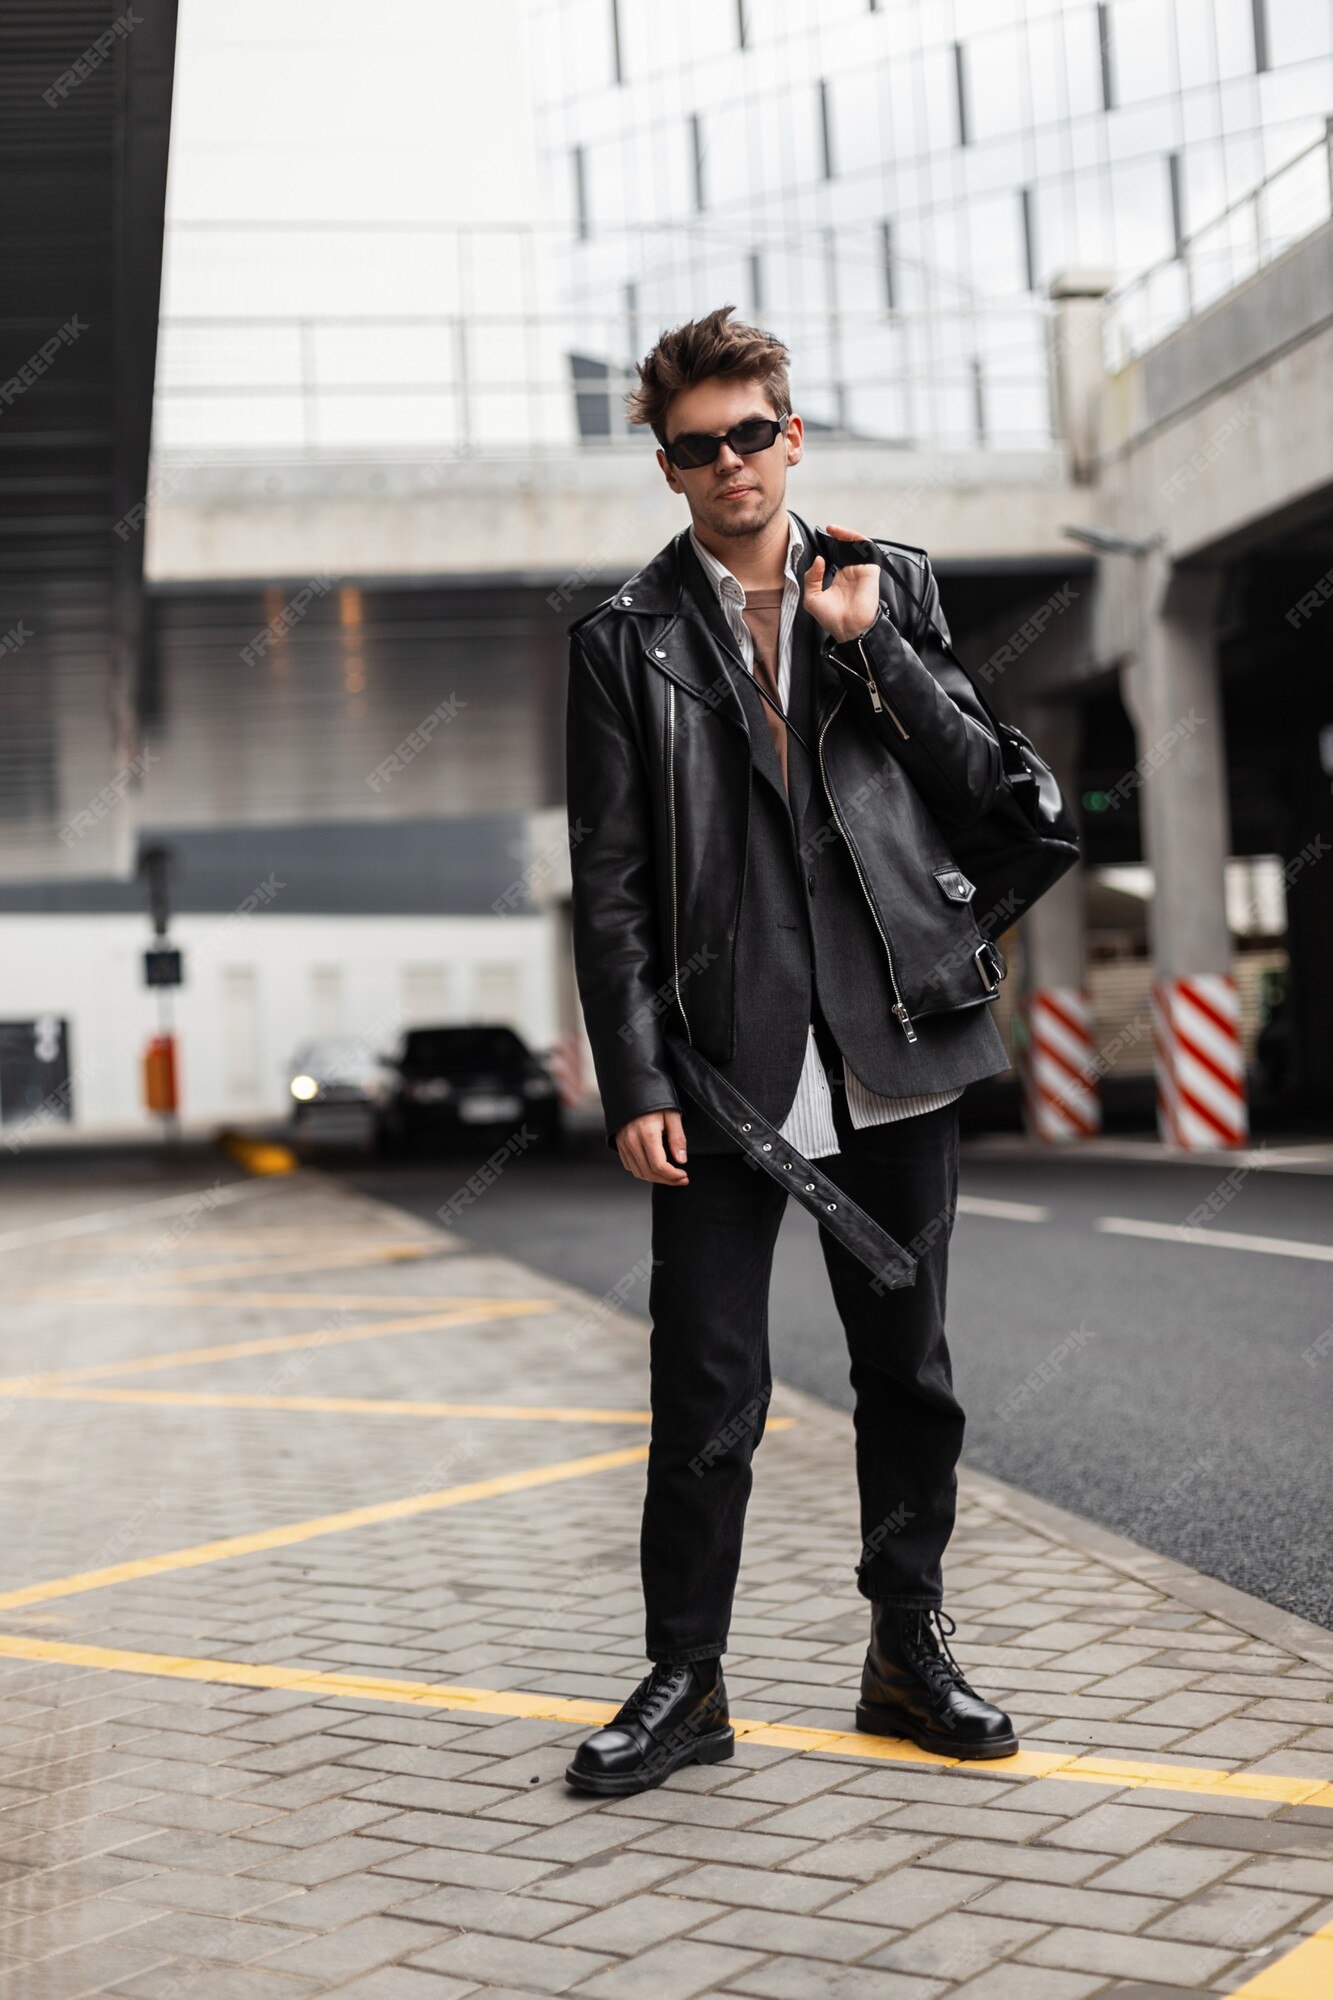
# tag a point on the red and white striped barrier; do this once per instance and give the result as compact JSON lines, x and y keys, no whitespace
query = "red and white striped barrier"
{"x":1200,"y":1059}
{"x":1059,"y":1072}
{"x":566,"y":1067}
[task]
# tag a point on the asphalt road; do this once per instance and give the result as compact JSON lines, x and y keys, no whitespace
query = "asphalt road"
{"x":1176,"y":1392}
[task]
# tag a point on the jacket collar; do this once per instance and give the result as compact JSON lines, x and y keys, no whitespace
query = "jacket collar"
{"x":674,"y":599}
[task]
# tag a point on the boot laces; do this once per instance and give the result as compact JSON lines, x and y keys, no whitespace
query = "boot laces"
{"x":926,"y":1635}
{"x":661,"y":1681}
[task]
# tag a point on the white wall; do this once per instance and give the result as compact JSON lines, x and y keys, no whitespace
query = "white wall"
{"x":255,"y":989}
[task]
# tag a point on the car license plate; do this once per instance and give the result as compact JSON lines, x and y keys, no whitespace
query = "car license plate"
{"x":481,"y":1110}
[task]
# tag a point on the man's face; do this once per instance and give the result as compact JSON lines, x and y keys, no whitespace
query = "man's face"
{"x":733,"y":495}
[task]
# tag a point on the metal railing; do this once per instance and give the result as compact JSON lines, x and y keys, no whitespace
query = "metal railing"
{"x":1254,"y":230}
{"x":495,"y":382}
{"x":311,"y":338}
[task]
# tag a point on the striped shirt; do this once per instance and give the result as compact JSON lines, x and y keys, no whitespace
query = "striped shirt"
{"x":809,"y":1123}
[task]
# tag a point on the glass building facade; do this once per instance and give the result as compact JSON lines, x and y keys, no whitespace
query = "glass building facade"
{"x":891,"y":187}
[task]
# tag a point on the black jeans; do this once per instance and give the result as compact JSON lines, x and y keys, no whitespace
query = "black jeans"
{"x":712,"y":1248}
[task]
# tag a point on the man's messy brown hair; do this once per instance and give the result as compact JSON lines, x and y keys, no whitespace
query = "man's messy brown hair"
{"x":701,"y":348}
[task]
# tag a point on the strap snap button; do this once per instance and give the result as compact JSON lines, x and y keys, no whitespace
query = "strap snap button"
{"x":768,"y":1145}
{"x":830,"y":1206}
{"x":745,"y":1128}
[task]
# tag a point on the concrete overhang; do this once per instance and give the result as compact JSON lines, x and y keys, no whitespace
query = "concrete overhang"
{"x":584,"y":516}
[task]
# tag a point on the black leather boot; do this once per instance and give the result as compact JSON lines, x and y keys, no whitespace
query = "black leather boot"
{"x":912,"y":1686}
{"x":677,"y":1715}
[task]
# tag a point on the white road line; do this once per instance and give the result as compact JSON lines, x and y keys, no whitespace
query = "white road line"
{"x":80,"y":1225}
{"x":1007,"y":1211}
{"x":1216,"y":1239}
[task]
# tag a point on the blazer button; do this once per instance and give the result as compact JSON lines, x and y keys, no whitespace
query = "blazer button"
{"x":810,"y":881}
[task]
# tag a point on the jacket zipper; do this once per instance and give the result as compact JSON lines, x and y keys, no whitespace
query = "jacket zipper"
{"x":904,"y":1018}
{"x":671,"y":823}
{"x":877,"y":701}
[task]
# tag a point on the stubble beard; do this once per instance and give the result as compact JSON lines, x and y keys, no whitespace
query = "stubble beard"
{"x":738,"y":530}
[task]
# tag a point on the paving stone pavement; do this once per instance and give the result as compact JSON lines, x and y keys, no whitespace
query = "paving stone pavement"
{"x":287,"y":1687}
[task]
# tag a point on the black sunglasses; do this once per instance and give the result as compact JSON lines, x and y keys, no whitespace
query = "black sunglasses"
{"x":695,"y":448}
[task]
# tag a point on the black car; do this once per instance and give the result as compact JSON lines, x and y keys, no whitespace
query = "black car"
{"x":454,"y":1085}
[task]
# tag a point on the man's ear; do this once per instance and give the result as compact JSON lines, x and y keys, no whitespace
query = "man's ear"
{"x":794,"y":437}
{"x":669,"y":471}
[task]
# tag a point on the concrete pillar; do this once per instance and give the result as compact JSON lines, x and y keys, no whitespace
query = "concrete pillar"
{"x":1172,"y":694}
{"x":1058,"y":1068}
{"x":1075,"y":356}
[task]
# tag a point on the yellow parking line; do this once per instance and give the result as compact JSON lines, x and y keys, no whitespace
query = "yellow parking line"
{"x":120,"y":1295}
{"x":1265,"y":1786}
{"x":260,"y":1267}
{"x":369,"y":1406}
{"x":279,"y":1343}
{"x":325,"y":1524}
{"x":1303,"y":1974}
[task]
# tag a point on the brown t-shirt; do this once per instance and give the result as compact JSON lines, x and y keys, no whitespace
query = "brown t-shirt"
{"x":763,"y":616}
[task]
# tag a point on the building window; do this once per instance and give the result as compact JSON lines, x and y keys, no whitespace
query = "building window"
{"x":886,"y":252}
{"x":617,"y":57}
{"x":756,"y":262}
{"x":1029,"y":222}
{"x":960,"y":93}
{"x":825,"y":128}
{"x":1177,"y":204}
{"x":632,"y":320}
{"x":580,"y":191}
{"x":697,"y":159}
{"x":1259,"y":9}
{"x":1105,"y":53}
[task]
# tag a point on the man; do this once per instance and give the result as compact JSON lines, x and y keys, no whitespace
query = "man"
{"x":767,"y":752}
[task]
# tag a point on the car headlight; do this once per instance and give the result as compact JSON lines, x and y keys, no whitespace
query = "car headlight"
{"x":304,"y":1088}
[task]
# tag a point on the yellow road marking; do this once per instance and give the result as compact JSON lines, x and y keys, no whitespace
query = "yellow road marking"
{"x":370,"y":1406}
{"x":121,"y":1295}
{"x":1266,"y":1786}
{"x":260,"y":1267}
{"x":257,"y":1156}
{"x":278,"y":1343}
{"x":1303,"y":1974}
{"x":325,"y":1524}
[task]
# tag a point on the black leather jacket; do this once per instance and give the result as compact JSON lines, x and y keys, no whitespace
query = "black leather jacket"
{"x":658,"y":786}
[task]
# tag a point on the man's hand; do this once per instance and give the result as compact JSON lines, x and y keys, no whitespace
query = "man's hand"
{"x":641,"y":1150}
{"x":848,"y":607}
